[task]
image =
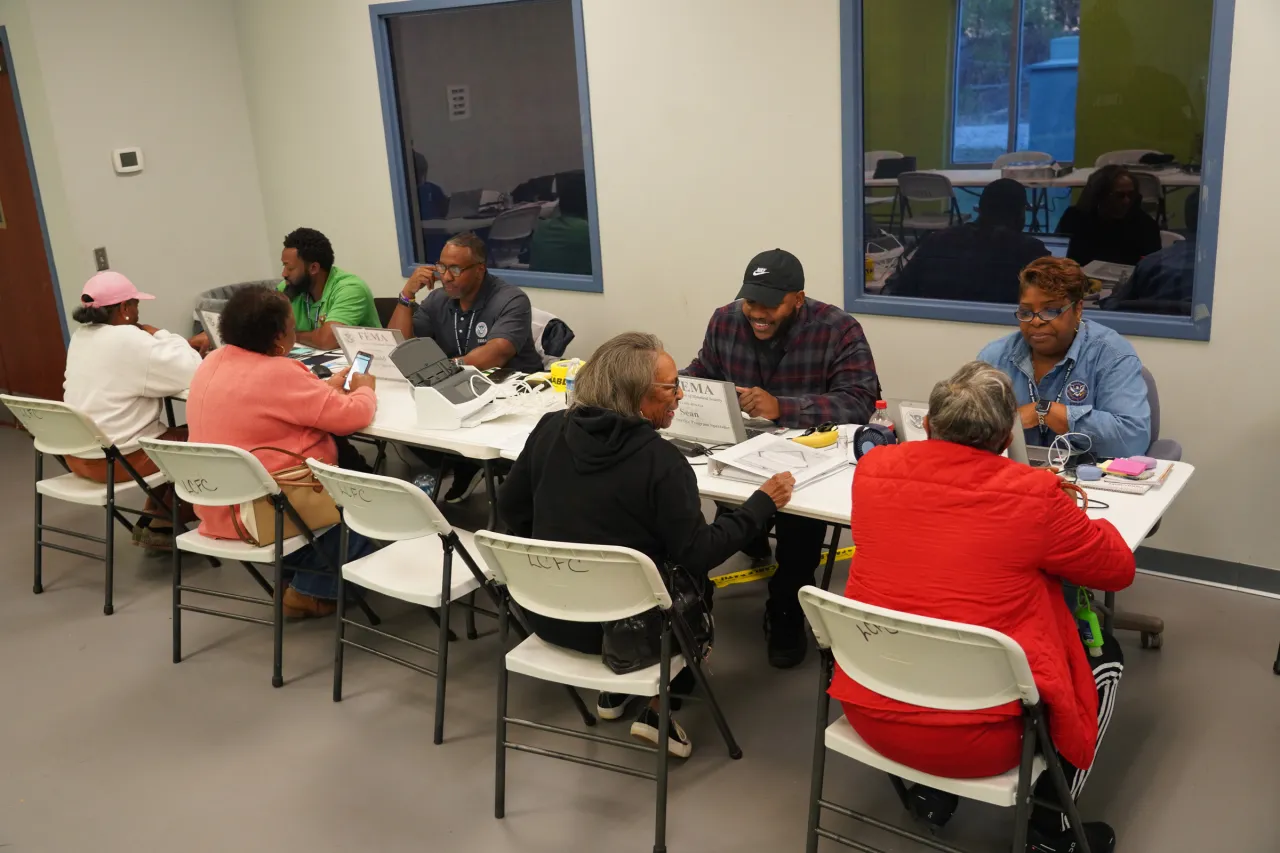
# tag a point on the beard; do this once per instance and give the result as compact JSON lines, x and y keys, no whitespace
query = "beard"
{"x":294,"y":289}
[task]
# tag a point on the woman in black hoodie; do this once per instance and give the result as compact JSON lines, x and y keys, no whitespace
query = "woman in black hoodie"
{"x":600,"y":474}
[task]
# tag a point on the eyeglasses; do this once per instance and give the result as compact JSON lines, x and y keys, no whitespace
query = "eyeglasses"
{"x":454,"y":270}
{"x":674,"y":386}
{"x":827,"y":427}
{"x":1048,"y":315}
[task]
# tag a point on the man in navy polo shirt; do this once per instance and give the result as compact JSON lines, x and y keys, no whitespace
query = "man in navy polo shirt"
{"x":799,"y":363}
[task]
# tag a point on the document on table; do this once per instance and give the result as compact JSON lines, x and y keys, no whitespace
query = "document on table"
{"x":757,"y":459}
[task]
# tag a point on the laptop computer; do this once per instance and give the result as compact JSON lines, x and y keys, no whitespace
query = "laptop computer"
{"x":464,"y":203}
{"x":892,"y":167}
{"x":1020,"y":451}
{"x":910,"y":427}
{"x":709,"y":416}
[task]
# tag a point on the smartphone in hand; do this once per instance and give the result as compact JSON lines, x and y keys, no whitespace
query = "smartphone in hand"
{"x":359,"y":364}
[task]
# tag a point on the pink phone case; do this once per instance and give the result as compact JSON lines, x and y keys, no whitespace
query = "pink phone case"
{"x":1126,"y":467}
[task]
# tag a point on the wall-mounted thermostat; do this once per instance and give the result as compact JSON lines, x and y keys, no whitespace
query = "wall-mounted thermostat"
{"x":127,"y":160}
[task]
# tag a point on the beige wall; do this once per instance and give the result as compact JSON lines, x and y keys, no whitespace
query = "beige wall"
{"x":163,"y":75}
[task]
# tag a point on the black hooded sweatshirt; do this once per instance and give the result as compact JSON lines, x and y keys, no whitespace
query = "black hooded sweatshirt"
{"x":599,"y":478}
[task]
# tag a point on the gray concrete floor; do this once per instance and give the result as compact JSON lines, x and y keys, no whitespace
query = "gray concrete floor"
{"x":105,"y":745}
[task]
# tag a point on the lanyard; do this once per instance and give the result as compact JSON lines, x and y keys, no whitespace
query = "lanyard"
{"x":463,"y":343}
{"x":1035,"y":394}
{"x":314,"y":318}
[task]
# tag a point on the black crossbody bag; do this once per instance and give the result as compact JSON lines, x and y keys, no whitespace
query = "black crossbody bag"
{"x":635,"y":643}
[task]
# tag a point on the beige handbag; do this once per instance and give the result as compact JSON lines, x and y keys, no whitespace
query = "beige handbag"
{"x":255,"y":521}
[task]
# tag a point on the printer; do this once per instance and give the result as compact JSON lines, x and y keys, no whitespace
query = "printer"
{"x":447,"y":396}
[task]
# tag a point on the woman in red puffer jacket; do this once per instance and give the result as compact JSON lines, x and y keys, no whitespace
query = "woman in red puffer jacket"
{"x":951,"y":529}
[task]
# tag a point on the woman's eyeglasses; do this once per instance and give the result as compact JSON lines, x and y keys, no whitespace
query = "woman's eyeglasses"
{"x":827,"y":427}
{"x":1048,"y":315}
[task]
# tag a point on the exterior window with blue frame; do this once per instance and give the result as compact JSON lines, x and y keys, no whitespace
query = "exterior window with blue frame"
{"x":488,"y":131}
{"x":983,"y":134}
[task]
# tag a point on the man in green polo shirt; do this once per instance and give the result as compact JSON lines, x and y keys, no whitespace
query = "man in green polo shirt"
{"x":322,"y":295}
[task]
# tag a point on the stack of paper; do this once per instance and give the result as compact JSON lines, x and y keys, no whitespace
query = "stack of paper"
{"x":757,"y":459}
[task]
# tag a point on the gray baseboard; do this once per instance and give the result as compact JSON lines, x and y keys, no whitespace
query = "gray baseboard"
{"x":1241,"y":575}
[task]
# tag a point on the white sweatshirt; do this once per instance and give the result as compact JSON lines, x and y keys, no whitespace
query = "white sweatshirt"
{"x":119,"y":375}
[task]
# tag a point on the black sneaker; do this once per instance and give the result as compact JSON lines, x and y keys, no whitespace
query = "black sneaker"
{"x":611,"y":706}
{"x":786,"y":634}
{"x":932,"y":806}
{"x":463,"y":486}
{"x":1102,"y":839}
{"x":646,"y":728}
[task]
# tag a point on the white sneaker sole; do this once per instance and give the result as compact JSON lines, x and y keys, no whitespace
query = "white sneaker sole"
{"x":676,"y":748}
{"x":470,"y":490}
{"x":612,"y":714}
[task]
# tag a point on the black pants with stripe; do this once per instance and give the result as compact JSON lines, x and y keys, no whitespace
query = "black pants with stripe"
{"x":1106,"y":675}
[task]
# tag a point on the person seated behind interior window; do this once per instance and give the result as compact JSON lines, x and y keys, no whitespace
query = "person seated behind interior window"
{"x":249,"y":394}
{"x":975,"y":261}
{"x":477,"y":319}
{"x":119,"y":370}
{"x":950,"y":529}
{"x":1163,"y":281}
{"x":1108,"y":223}
{"x":601,"y":474}
{"x":563,"y":242}
{"x":1070,"y":374}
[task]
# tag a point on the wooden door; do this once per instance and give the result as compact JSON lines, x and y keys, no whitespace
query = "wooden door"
{"x":32,"y":350}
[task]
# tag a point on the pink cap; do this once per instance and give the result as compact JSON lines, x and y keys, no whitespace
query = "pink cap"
{"x":109,"y":288}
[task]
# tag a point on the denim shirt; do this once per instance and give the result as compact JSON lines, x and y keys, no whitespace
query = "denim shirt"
{"x":1099,"y":381}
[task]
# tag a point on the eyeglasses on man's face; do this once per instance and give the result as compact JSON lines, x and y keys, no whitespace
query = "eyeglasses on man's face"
{"x":454,"y":271}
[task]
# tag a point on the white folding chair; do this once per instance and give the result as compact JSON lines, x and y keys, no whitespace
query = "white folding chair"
{"x":1169,"y":238}
{"x":930,"y":663}
{"x":588,"y":583}
{"x":410,"y":569}
{"x":60,"y":430}
{"x":1123,"y":157}
{"x":510,"y":234}
{"x":932,"y":190}
{"x":218,"y":475}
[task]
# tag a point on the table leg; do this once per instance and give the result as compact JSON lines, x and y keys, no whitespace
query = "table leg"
{"x":491,"y":489}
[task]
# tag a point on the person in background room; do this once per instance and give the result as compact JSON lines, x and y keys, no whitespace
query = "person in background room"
{"x":476,"y":318}
{"x":248,"y":394}
{"x":601,"y":474}
{"x":1071,"y":374}
{"x":119,"y":370}
{"x":975,"y":261}
{"x":1108,"y":223}
{"x":563,"y":242}
{"x":950,"y":529}
{"x":432,"y":201}
{"x":1162,"y":282}
{"x":799,"y":363}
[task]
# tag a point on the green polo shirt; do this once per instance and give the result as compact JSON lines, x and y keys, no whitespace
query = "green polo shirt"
{"x":561,"y":244}
{"x":346,"y":300}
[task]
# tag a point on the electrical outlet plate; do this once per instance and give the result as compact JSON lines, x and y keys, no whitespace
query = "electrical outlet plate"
{"x":100,"y":258}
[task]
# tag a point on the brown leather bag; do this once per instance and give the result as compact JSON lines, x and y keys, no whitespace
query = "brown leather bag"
{"x":255,"y":521}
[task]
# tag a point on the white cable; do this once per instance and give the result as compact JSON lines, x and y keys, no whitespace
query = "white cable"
{"x":1062,"y":448}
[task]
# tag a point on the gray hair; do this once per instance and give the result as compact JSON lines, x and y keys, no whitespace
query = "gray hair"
{"x":975,"y":407}
{"x":619,"y":374}
{"x":471,"y":241}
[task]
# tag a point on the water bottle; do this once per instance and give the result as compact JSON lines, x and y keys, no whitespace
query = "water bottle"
{"x":569,"y":376}
{"x":427,"y":482}
{"x":881,"y":416}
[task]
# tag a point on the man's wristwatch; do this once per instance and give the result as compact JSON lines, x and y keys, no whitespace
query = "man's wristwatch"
{"x":1042,"y":409}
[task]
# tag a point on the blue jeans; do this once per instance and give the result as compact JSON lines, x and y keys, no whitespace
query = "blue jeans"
{"x":324,"y":585}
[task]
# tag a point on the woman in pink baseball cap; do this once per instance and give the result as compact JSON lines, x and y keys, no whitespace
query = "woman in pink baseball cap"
{"x":118,"y":372}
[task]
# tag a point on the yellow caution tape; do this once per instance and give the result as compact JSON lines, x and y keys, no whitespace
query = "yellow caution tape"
{"x":749,"y":575}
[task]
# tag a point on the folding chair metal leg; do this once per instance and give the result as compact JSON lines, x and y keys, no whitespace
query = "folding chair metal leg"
{"x":177,"y":591}
{"x":340,"y":630}
{"x":664,"y":734}
{"x":1060,"y":781}
{"x":819,"y":754}
{"x":442,"y":653}
{"x":500,"y":753}
{"x":832,"y":546}
{"x":38,"y":586}
{"x":491,"y":492}
{"x":687,"y":647}
{"x":110,"y":535}
{"x":1022,"y":807}
{"x":471,"y":616}
{"x":277,"y":606}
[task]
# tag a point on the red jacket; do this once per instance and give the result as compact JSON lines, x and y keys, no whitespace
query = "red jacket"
{"x":951,"y":532}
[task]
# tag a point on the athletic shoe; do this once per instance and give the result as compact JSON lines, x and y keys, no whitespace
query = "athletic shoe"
{"x":932,"y":806}
{"x":1102,"y":839}
{"x":463,"y":486}
{"x":646,"y":728}
{"x":611,"y":706}
{"x":786,"y":634}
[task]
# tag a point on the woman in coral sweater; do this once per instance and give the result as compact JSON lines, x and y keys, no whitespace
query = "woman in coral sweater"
{"x":248,"y":394}
{"x":951,"y":529}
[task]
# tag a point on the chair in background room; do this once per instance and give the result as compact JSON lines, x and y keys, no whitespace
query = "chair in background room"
{"x":1151,"y":628}
{"x":59,"y":430}
{"x":933,"y":193}
{"x":510,"y":234}
{"x":929,"y":663}
{"x":410,"y":569}
{"x":589,"y":583}
{"x":218,"y":475}
{"x":1168,"y":238}
{"x":869,"y":162}
{"x":1123,"y":157}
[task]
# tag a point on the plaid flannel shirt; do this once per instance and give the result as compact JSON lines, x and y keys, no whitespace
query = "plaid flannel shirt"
{"x":826,"y":372}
